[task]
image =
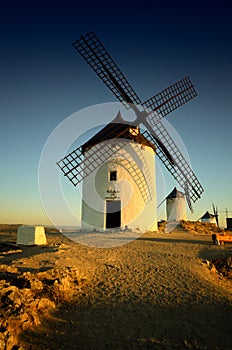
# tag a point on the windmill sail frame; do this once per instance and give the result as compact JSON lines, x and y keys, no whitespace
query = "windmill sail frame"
{"x":153,"y":110}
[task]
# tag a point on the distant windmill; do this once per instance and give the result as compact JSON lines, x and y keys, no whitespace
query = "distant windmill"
{"x":83,"y":161}
{"x":208,"y":218}
{"x":176,"y":206}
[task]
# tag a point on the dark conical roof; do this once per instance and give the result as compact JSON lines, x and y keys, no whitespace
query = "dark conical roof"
{"x":118,"y":128}
{"x":175,"y":194}
{"x":207,"y":215}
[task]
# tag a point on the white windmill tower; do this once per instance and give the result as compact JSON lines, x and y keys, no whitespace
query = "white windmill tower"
{"x":122,"y":152}
{"x":211,"y":218}
{"x":121,"y":192}
{"x":208,"y":218}
{"x":176,"y":206}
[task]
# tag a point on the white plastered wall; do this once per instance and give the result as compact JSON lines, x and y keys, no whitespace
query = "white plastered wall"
{"x":210,"y":220}
{"x":135,"y":187}
{"x":176,"y":209}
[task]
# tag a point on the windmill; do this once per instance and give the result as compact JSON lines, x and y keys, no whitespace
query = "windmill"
{"x":79,"y":164}
{"x":176,"y":206}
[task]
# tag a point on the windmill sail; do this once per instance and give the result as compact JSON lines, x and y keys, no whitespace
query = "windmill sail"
{"x":215,"y":211}
{"x":79,"y":164}
{"x":175,"y":162}
{"x":171,"y":98}
{"x":157,"y":107}
{"x":92,"y":50}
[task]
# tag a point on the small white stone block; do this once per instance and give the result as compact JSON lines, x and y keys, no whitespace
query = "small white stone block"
{"x":31,"y":235}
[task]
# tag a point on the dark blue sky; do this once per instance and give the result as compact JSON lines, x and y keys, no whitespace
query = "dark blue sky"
{"x":43,"y":80}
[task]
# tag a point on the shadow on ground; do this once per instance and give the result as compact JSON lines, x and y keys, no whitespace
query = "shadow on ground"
{"x":11,"y":253}
{"x":130,"y":325}
{"x":176,"y":240}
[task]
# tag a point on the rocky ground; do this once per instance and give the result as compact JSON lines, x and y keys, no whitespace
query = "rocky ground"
{"x":160,"y":291}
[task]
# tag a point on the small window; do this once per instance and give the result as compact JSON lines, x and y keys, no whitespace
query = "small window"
{"x":113,"y":175}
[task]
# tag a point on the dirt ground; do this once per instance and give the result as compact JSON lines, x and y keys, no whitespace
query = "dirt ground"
{"x":160,"y":291}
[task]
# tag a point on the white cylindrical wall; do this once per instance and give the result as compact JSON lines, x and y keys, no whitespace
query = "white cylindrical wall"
{"x":135,"y":187}
{"x":211,"y":220}
{"x":176,"y":209}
